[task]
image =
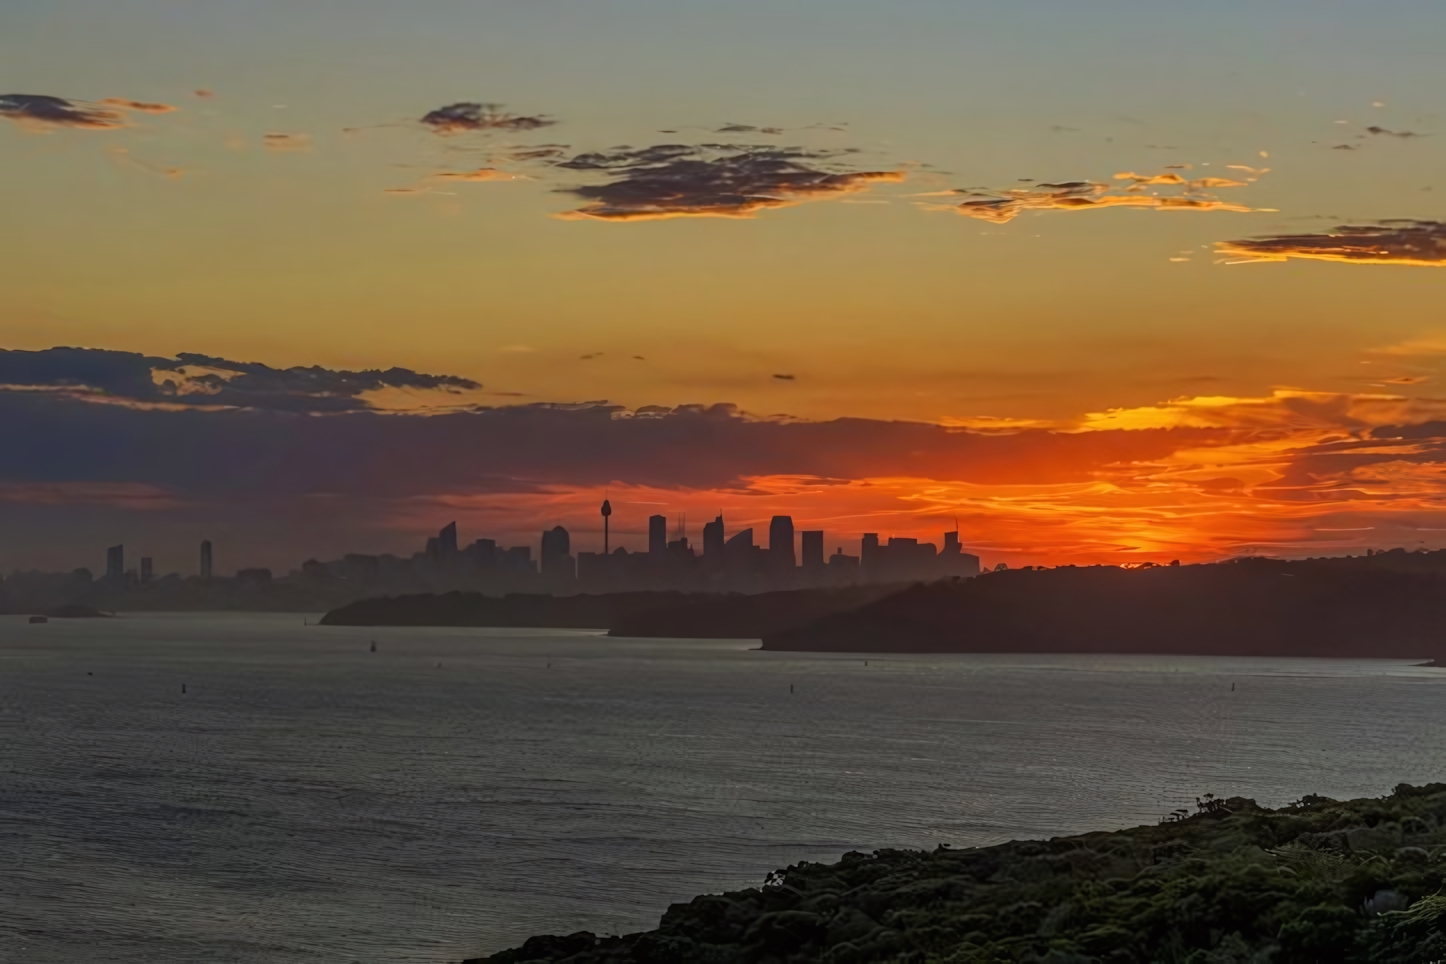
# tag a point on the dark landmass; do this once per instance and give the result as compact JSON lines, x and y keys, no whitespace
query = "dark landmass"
{"x":1315,"y":882}
{"x":76,"y":611}
{"x":736,"y":616}
{"x":1253,"y":607}
{"x":651,"y":614}
{"x":512,"y":610}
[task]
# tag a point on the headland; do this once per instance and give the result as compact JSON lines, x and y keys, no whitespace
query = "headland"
{"x":1313,"y":882}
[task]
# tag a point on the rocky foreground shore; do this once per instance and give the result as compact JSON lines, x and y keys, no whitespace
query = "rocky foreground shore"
{"x":1318,"y":881}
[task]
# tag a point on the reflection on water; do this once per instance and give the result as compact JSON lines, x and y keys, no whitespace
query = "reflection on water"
{"x":455,"y":791}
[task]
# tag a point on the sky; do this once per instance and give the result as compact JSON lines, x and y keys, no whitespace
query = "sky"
{"x":1095,"y":282}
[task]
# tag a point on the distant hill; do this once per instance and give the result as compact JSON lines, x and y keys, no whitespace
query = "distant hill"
{"x":1252,"y":607}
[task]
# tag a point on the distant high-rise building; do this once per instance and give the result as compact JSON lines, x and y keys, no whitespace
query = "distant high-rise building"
{"x":447,"y":541}
{"x":434,"y":549}
{"x":115,"y":563}
{"x":951,"y":543}
{"x":739,"y":553}
{"x":206,"y":559}
{"x":713,"y":541}
{"x":148,"y":569}
{"x":658,"y":536}
{"x":869,"y":556}
{"x":780,"y":543}
{"x":516,"y":559}
{"x":557,"y":562}
{"x":812,"y":540}
{"x":483,"y":553}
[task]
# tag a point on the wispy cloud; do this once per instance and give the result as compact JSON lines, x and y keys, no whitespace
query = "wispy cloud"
{"x":124,"y":157}
{"x":1383,"y":132}
{"x":1003,"y":206}
{"x":1400,"y":241}
{"x":209,"y":382}
{"x":44,"y":112}
{"x":283,"y":142}
{"x":712,"y":180}
{"x":139,"y":106}
{"x":469,"y":116}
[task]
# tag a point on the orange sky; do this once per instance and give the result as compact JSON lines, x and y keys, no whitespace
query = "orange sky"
{"x":984,"y":221}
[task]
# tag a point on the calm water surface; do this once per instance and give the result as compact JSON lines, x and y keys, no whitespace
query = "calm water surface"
{"x":306,"y":800}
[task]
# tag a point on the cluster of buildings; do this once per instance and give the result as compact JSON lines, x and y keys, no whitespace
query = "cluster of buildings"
{"x":739,"y":561}
{"x":723,"y":562}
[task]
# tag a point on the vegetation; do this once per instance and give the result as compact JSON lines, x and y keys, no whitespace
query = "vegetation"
{"x":1315,"y":882}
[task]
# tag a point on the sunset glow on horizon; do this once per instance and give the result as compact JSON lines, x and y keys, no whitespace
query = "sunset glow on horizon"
{"x":1101,"y":285}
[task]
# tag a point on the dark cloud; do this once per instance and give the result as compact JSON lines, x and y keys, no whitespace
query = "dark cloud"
{"x":468,"y":116}
{"x":286,"y":142}
{"x":784,"y":378}
{"x":139,"y":106}
{"x":1401,"y":241}
{"x":711,"y":180}
{"x":1381,"y":131}
{"x":542,"y":152}
{"x":1001,"y":207}
{"x":260,"y":452}
{"x":747,"y":129}
{"x":194,"y":380}
{"x":42,"y":110}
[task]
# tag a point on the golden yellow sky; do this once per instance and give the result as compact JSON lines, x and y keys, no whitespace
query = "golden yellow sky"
{"x":996,"y":217}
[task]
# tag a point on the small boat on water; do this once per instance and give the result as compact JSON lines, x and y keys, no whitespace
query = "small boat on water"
{"x":40,"y":619}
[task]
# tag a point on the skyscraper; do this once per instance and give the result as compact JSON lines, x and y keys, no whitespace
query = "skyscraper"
{"x":658,"y":536}
{"x":813,"y":550}
{"x":557,"y":562}
{"x":115,"y":564}
{"x":148,"y":569}
{"x":780,"y":543}
{"x":447,"y":541}
{"x":206,"y":559}
{"x":713,"y":541}
{"x":869,"y":556}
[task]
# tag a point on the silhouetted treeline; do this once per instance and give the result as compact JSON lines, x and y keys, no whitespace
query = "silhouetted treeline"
{"x":1389,"y":605}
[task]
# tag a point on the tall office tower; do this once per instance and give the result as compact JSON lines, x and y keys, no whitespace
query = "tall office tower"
{"x":206,"y":559}
{"x":657,"y":536}
{"x":555,"y":542}
{"x":447,"y":541}
{"x":713,"y":541}
{"x":738,"y":550}
{"x":607,"y":513}
{"x":951,"y":543}
{"x":556,"y":550}
{"x":148,"y":569}
{"x":780,"y":543}
{"x":115,"y":563}
{"x":869,"y":556}
{"x":813,"y":550}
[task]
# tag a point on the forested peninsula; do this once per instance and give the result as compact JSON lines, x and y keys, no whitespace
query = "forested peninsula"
{"x":1315,"y":882}
{"x":1388,"y":606}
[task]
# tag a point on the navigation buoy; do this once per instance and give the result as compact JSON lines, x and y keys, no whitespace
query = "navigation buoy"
{"x":374,"y":646}
{"x":183,"y":689}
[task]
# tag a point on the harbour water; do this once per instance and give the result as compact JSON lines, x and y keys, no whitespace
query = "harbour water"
{"x":308,"y":800}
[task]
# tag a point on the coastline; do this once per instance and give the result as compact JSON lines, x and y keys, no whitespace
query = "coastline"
{"x":1316,"y":881}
